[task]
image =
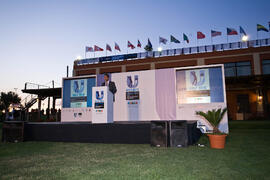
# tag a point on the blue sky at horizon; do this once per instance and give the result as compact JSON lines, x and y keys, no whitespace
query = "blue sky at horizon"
{"x":38,"y":39}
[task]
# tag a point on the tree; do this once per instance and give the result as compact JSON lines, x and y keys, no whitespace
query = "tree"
{"x":6,"y":99}
{"x":214,"y":117}
{"x":148,"y":48}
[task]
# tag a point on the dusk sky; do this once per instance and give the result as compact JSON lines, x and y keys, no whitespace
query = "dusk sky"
{"x":38,"y":39}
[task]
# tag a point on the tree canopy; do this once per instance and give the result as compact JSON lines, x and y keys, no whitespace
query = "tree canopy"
{"x":6,"y":99}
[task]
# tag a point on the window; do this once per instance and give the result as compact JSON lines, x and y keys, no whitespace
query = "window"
{"x":266,"y":66}
{"x":238,"y":69}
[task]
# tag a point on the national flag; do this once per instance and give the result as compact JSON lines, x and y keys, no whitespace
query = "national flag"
{"x":89,"y":49}
{"x":139,"y":44}
{"x":200,"y":35}
{"x":185,"y":38}
{"x":116,"y":46}
{"x":149,"y":43}
{"x":231,"y":31}
{"x":173,"y":39}
{"x":162,"y":40}
{"x":215,"y":33}
{"x":149,"y":46}
{"x":261,"y":28}
{"x":242,"y":31}
{"x":96,"y":48}
{"x":129,"y":45}
{"x":108,"y":47}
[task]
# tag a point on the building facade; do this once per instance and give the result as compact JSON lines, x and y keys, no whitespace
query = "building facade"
{"x":246,"y":64}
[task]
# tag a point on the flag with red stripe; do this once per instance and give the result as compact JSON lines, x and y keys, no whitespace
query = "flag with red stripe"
{"x":96,"y":48}
{"x":139,"y":44}
{"x":231,"y":31}
{"x":200,"y":35}
{"x":108,"y":47}
{"x":89,"y":49}
{"x":116,"y":46}
{"x":129,"y":45}
{"x":215,"y":33}
{"x":162,"y":40}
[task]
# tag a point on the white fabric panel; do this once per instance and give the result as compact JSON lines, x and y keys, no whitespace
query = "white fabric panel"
{"x":145,"y":109}
{"x":76,"y":115}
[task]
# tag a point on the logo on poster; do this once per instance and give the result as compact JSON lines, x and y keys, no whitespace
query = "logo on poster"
{"x":78,"y":88}
{"x":197,"y":80}
{"x":99,"y":95}
{"x":132,"y":92}
{"x":132,"y":84}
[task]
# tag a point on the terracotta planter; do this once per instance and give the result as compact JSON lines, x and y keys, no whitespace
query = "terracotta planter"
{"x":217,"y":141}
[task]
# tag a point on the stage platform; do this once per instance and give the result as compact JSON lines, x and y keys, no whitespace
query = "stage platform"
{"x":117,"y":132}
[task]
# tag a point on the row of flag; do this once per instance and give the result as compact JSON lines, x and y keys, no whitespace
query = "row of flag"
{"x":162,"y":40}
{"x":116,"y":47}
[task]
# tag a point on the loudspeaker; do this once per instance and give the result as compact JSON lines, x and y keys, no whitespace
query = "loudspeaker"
{"x":178,"y":133}
{"x":159,"y":133}
{"x":194,"y":133}
{"x":12,"y":131}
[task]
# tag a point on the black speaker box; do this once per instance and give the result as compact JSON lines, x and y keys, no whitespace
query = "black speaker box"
{"x":159,"y":134}
{"x":178,"y":133}
{"x":13,"y":131}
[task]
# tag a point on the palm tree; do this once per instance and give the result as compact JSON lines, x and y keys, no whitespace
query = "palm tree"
{"x":214,"y":117}
{"x":6,"y":99}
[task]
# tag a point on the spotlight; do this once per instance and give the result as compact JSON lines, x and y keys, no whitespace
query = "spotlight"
{"x":245,"y":38}
{"x":78,"y":57}
{"x":159,"y":49}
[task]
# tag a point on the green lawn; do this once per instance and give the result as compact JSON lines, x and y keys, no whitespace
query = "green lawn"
{"x":246,"y":156}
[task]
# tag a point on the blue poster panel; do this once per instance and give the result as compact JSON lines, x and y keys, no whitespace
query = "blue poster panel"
{"x":204,"y":85}
{"x":77,"y":93}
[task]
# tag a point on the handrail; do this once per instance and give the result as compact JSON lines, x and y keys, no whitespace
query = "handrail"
{"x":178,"y":51}
{"x":27,"y":99}
{"x":38,"y":85}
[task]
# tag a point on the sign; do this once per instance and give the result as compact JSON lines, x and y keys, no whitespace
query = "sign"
{"x":99,"y":100}
{"x":204,"y":85}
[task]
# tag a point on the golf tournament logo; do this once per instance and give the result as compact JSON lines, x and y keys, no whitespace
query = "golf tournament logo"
{"x":197,"y":80}
{"x":78,"y":93}
{"x":132,"y":84}
{"x":99,"y":95}
{"x":132,"y":92}
{"x":78,"y":88}
{"x":99,"y":101}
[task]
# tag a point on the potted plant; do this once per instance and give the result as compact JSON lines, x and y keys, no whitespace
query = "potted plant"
{"x":214,"y":117}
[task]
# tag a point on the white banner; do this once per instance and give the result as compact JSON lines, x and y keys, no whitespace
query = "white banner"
{"x":135,"y":97}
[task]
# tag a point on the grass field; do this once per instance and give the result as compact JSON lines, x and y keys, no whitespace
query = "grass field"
{"x":246,"y":156}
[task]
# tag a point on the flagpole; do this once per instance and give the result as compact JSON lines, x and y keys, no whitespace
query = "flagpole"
{"x":240,"y":34}
{"x":257,"y":41}
{"x":85,"y":54}
{"x":240,"y":46}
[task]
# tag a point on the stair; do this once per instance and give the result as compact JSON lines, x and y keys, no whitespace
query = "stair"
{"x":31,"y":102}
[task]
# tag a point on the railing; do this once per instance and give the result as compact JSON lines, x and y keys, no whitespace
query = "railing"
{"x":27,"y":100}
{"x":29,"y":85}
{"x":179,"y":51}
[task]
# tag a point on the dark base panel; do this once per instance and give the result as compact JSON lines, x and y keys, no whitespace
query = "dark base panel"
{"x":117,"y":132}
{"x":121,"y":133}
